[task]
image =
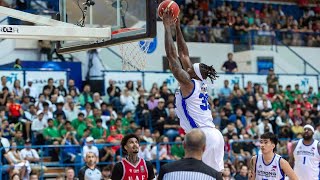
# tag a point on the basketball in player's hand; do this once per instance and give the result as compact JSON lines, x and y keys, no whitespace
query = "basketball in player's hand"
{"x":169,"y":5}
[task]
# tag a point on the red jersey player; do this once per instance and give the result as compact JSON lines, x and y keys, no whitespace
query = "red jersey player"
{"x":132,"y":167}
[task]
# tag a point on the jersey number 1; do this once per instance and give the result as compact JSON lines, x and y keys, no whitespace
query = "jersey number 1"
{"x":205,"y":105}
{"x":304,"y":160}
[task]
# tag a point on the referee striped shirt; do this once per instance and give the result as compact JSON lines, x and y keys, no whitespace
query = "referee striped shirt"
{"x":188,"y":169}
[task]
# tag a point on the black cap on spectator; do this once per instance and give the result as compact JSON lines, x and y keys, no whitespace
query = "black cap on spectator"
{"x":80,"y":114}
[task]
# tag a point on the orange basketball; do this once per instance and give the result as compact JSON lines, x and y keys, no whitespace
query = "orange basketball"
{"x":169,"y":5}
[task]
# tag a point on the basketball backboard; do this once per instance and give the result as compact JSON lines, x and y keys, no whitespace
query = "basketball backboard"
{"x":130,"y":20}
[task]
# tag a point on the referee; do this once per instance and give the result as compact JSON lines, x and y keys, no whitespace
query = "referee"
{"x":90,"y":171}
{"x":191,"y":167}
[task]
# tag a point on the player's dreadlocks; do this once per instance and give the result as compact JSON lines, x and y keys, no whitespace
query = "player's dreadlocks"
{"x":208,"y":72}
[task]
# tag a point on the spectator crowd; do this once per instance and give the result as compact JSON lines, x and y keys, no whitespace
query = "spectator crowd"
{"x":240,"y":22}
{"x":81,"y":120}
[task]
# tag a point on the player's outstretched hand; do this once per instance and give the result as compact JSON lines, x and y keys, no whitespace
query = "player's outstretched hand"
{"x":167,"y":18}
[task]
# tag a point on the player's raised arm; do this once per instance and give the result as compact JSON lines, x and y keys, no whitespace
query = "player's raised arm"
{"x":288,"y":170}
{"x":171,"y":51}
{"x":252,"y":169}
{"x":182,"y":48}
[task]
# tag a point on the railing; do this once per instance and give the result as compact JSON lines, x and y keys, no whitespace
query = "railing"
{"x":258,"y":37}
{"x":45,"y":149}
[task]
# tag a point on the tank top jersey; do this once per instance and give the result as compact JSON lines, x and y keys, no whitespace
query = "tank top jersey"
{"x":131,"y":172}
{"x":194,"y":110}
{"x":307,"y":160}
{"x":271,"y":171}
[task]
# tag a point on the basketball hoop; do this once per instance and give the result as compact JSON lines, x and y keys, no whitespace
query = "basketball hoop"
{"x":133,"y":54}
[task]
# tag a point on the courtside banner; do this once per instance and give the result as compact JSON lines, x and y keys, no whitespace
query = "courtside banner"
{"x":40,"y":78}
{"x":11,"y":77}
{"x":304,"y":81}
{"x":159,"y":78}
{"x":121,"y":78}
{"x":256,"y":79}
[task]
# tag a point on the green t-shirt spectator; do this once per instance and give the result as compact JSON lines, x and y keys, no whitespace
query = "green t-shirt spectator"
{"x":20,"y":142}
{"x":85,"y":98}
{"x":177,"y":150}
{"x":277,"y":105}
{"x":97,"y":132}
{"x":51,"y":132}
{"x":75,"y":123}
{"x":80,"y":129}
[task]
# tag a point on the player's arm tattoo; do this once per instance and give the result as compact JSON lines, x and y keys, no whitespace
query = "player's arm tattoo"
{"x":174,"y":64}
{"x":252,"y":168}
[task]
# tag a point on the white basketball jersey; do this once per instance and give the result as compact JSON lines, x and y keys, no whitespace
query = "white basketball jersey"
{"x":271,"y":171}
{"x":307,"y":160}
{"x":194,"y":111}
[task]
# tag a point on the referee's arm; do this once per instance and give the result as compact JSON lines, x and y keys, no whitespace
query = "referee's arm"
{"x":117,"y":172}
{"x":81,"y":173}
{"x":150,"y":170}
{"x":161,"y":173}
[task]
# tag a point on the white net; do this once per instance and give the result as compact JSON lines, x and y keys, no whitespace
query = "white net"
{"x":134,"y":55}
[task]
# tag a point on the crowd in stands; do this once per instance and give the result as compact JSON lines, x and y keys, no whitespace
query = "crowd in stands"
{"x":227,"y":21}
{"x":65,"y":115}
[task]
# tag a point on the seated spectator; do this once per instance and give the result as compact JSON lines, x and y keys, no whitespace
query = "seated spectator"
{"x":127,"y":101}
{"x":316,"y":134}
{"x":98,"y":132}
{"x":29,"y":154}
{"x":90,"y":147}
{"x":18,"y":139}
{"x":87,"y":112}
{"x":238,"y":115}
{"x":243,"y":174}
{"x":162,"y":153}
{"x":229,"y":66}
{"x":216,"y":118}
{"x":97,"y":100}
{"x":152,"y":102}
{"x":72,"y":113}
{"x":59,"y":110}
{"x":37,"y":127}
{"x":142,"y":113}
{"x":14,"y":110}
{"x":54,"y":152}
{"x":229,"y":130}
{"x":144,"y":152}
{"x":265,"y":126}
{"x":158,"y":116}
{"x":14,"y":158}
{"x":147,"y":136}
{"x":7,"y":130}
{"x":267,"y":112}
{"x":114,"y":93}
{"x":106,"y":154}
{"x":261,"y":101}
{"x":297,"y":128}
{"x":225,"y":92}
{"x":114,"y":138}
{"x":79,"y":124}
{"x":177,"y":150}
{"x":69,"y":153}
{"x":283,"y":120}
{"x":51,"y":133}
{"x":17,"y":90}
{"x":86,"y":96}
{"x":171,"y":125}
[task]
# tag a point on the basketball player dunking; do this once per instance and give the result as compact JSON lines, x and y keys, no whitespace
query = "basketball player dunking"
{"x":192,"y":105}
{"x":305,"y":156}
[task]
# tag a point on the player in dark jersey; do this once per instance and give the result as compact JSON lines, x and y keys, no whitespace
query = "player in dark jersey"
{"x":90,"y":171}
{"x":131,"y":166}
